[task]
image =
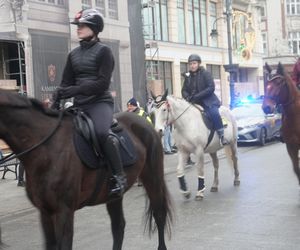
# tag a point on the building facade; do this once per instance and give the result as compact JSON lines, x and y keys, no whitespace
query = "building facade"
{"x":36,"y":36}
{"x":174,"y":29}
{"x":281,"y":31}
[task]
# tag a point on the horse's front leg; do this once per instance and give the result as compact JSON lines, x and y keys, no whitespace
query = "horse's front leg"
{"x":115,"y":211}
{"x":64,"y":224}
{"x":200,"y":168}
{"x":215,"y":161}
{"x":48,"y":229}
{"x":182,"y":159}
{"x":293,"y":153}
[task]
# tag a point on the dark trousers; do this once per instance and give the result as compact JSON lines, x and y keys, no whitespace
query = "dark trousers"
{"x":21,"y":172}
{"x":101,"y":115}
{"x":215,"y":116}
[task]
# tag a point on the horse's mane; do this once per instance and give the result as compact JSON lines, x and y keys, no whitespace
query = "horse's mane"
{"x":39,"y":106}
{"x":9,"y":98}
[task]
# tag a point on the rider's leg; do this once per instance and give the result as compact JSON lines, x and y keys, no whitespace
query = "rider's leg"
{"x":102,"y":115}
{"x":218,"y":124}
{"x":111,"y":150}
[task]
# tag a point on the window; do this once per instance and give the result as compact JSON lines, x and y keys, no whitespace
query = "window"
{"x":86,"y":4}
{"x":160,"y":70}
{"x":264,"y":42}
{"x":197,"y":22}
{"x":55,"y":2}
{"x":181,"y":21}
{"x":293,"y":7}
{"x":215,"y":70}
{"x":155,"y":20}
{"x":213,"y":22}
{"x":100,"y":6}
{"x":183,"y":69}
{"x":113,"y":9}
{"x":294,"y":42}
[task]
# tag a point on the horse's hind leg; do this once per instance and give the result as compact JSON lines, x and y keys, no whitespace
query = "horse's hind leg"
{"x":293,"y":153}
{"x":215,"y":160}
{"x":115,"y":211}
{"x":234,"y":158}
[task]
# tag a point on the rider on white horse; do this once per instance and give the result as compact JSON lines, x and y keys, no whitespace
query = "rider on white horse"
{"x":199,"y":88}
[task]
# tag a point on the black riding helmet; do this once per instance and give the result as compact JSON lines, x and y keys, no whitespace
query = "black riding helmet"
{"x":92,"y":18}
{"x":194,"y":57}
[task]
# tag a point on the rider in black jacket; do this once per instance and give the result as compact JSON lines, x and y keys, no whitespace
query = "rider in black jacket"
{"x":86,"y":77}
{"x":199,"y":88}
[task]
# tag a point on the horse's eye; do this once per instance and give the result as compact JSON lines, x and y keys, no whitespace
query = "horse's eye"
{"x":164,"y":110}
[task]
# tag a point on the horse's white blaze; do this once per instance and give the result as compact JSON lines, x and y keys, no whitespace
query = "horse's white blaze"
{"x":191,"y":135}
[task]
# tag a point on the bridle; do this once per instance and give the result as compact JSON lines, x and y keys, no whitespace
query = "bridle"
{"x":275,"y":98}
{"x":158,"y":105}
{"x":14,"y":156}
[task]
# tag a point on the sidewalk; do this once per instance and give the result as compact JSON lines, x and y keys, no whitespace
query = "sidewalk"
{"x":13,"y":199}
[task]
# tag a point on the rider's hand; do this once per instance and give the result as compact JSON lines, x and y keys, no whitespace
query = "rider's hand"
{"x":190,"y":99}
{"x":68,"y":92}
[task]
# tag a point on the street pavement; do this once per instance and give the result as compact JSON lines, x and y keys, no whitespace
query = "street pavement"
{"x":14,"y":201}
{"x":234,"y":206}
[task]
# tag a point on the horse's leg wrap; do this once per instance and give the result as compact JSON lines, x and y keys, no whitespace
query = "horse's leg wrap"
{"x":182,"y":183}
{"x":201,"y":185}
{"x":183,"y":187}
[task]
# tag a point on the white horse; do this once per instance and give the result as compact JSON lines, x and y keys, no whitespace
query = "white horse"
{"x":191,"y":135}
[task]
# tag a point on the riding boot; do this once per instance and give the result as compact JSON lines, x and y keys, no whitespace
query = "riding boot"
{"x":220,"y":133}
{"x":119,"y":181}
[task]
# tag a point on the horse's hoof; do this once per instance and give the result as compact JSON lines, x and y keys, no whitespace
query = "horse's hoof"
{"x":199,"y":197}
{"x":236,"y":183}
{"x":186,"y":194}
{"x":214,"y":189}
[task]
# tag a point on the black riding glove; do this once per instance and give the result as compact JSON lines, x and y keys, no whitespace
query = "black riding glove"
{"x":190,"y":99}
{"x":68,"y":92}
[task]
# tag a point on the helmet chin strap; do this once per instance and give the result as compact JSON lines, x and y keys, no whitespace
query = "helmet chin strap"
{"x":90,"y":38}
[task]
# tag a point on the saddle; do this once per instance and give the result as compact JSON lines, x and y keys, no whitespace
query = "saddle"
{"x":207,"y":119}
{"x":87,"y":146}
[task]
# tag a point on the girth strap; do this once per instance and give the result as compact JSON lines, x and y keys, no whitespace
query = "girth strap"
{"x":211,"y":135}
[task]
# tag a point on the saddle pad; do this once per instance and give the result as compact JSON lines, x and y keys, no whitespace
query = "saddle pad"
{"x":88,"y":157}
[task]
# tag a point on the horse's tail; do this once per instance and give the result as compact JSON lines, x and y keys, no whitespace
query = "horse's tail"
{"x":159,"y":205}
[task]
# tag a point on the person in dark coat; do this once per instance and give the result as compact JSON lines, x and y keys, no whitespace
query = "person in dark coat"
{"x":199,"y":88}
{"x":87,"y":77}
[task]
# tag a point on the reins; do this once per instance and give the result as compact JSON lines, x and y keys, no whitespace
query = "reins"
{"x":14,"y":156}
{"x":174,"y":120}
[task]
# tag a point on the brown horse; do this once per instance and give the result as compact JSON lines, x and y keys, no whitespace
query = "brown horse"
{"x":281,"y":90}
{"x":58,"y":183}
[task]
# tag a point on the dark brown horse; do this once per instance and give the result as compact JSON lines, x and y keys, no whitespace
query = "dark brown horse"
{"x":58,"y":183}
{"x":281,"y":90}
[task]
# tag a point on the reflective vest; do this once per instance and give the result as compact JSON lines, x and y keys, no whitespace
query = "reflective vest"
{"x":142,"y":113}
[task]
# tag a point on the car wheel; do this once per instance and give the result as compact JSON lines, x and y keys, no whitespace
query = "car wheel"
{"x":262,"y":136}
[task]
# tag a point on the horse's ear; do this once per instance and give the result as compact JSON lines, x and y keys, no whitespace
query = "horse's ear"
{"x":164,"y":96}
{"x":280,"y":69}
{"x":268,"y":68}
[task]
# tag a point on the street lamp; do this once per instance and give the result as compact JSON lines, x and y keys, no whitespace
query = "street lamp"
{"x":230,"y":68}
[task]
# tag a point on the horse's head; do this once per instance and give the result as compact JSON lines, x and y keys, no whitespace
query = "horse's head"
{"x":276,"y":91}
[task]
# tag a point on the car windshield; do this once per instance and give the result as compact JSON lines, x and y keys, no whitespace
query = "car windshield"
{"x":251,"y":110}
